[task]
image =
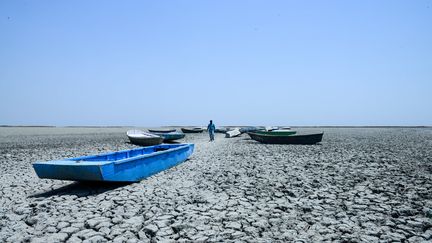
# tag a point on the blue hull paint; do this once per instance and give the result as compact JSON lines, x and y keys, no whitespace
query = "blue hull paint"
{"x":123,"y":166}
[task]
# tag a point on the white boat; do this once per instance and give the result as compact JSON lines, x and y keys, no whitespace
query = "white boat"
{"x":139,"y":137}
{"x":270,"y":128}
{"x":284,"y":128}
{"x":233,"y":133}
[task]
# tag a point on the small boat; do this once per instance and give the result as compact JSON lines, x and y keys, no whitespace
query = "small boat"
{"x":277,"y":132}
{"x":250,"y":129}
{"x":192,"y":130}
{"x":223,"y":129}
{"x":287,"y":139}
{"x":233,"y":133}
{"x":270,"y":128}
{"x":171,"y":136}
{"x":141,"y":138}
{"x":284,"y":128}
{"x":122,"y":166}
{"x":161,"y":130}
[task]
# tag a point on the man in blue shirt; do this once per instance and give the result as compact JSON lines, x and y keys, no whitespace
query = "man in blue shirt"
{"x":211,"y":130}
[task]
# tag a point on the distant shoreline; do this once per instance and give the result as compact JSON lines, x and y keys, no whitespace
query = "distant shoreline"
{"x":48,"y":126}
{"x":365,"y":126}
{"x":25,"y":126}
{"x":65,"y":126}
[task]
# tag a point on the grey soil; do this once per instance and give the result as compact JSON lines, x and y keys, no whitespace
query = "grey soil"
{"x":358,"y":185}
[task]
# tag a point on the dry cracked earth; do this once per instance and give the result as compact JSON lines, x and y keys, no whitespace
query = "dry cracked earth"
{"x":358,"y":185}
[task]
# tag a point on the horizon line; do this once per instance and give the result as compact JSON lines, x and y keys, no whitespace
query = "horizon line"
{"x":299,"y":126}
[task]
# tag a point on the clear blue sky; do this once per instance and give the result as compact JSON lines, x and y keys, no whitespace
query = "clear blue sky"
{"x":149,"y":63}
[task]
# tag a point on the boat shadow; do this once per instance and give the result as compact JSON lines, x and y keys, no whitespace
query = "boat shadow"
{"x":249,"y":141}
{"x":172,"y":142}
{"x":81,"y":189}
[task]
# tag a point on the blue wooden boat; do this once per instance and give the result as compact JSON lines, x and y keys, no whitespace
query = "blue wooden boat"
{"x":122,"y":166}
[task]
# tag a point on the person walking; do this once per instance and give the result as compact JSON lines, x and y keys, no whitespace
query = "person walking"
{"x":211,"y":130}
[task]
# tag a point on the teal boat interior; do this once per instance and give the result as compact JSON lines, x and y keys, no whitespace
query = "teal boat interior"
{"x":126,"y":154}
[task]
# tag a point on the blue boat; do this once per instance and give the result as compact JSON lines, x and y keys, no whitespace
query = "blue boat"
{"x":122,"y":166}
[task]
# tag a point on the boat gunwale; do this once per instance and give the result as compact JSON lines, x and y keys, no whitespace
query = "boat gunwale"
{"x":121,"y":161}
{"x":276,"y":133}
{"x":161,"y":134}
{"x":161,"y":130}
{"x":183,"y":146}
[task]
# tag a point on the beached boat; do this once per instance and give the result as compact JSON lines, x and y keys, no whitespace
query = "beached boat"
{"x":277,"y":132}
{"x":222,"y":130}
{"x":122,"y":166}
{"x":171,"y":136}
{"x":284,"y":128}
{"x":161,"y":130}
{"x":270,"y":128}
{"x":192,"y":130}
{"x":141,"y":138}
{"x":287,"y":139}
{"x":250,"y":129}
{"x":233,"y":133}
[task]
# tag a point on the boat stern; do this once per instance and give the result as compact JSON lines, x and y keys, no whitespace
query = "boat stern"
{"x":69,"y":170}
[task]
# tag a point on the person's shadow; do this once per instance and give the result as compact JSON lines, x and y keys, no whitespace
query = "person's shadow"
{"x":81,"y":189}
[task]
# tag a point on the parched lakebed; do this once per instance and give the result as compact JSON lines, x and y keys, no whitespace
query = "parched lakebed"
{"x":357,"y":185}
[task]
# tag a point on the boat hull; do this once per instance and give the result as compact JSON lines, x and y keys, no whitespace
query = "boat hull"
{"x":123,"y":166}
{"x":289,"y":139}
{"x":146,"y":141}
{"x":171,"y":136}
{"x":187,"y":130}
{"x":250,"y":129}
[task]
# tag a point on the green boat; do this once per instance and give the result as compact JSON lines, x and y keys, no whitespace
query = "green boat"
{"x":276,"y":132}
{"x":287,"y":139}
